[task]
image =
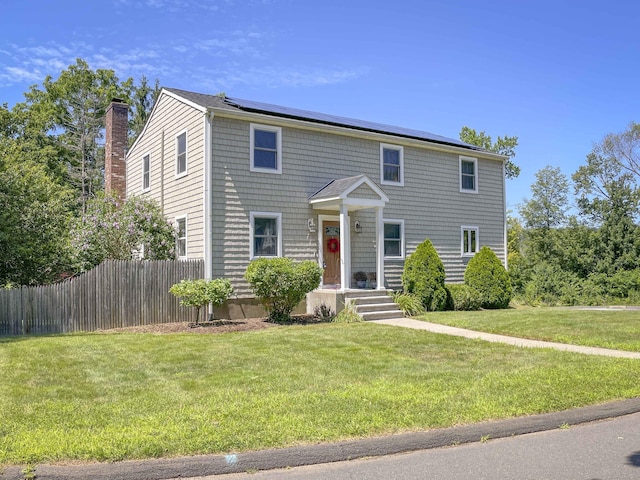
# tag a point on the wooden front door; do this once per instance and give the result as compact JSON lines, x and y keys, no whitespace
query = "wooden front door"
{"x":331,"y":253}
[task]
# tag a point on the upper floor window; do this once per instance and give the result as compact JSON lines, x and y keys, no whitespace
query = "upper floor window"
{"x":266,"y":234}
{"x":468,"y":174}
{"x":394,"y":238}
{"x":181,"y":237}
{"x":391,"y":164}
{"x":266,"y":149}
{"x":470,"y":243}
{"x":146,"y":172}
{"x":181,"y":154}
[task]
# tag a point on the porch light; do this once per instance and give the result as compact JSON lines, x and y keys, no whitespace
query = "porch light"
{"x":357,"y":227}
{"x":311,"y":226}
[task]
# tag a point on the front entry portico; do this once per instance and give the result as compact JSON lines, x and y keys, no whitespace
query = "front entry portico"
{"x":343,"y":197}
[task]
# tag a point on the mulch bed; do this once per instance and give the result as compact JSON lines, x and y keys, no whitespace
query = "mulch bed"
{"x":216,"y":326}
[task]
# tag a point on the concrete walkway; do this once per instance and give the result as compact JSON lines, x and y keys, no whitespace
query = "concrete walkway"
{"x":518,"y":342}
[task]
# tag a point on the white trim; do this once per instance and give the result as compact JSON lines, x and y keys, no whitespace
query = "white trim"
{"x":186,"y":153}
{"x":186,"y":236}
{"x":394,"y":221}
{"x":400,"y":150}
{"x":474,"y":160}
{"x":252,"y":217}
{"x":504,"y":203}
{"x":144,"y":190}
{"x":464,"y":228}
{"x":267,"y":128}
{"x":207,"y":196}
{"x":352,"y":132}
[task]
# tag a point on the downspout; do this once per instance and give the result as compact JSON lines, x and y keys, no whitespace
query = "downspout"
{"x":504,"y":205}
{"x":162,"y":172}
{"x":207,"y":194}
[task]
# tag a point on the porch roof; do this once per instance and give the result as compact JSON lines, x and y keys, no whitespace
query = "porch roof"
{"x":343,"y":192}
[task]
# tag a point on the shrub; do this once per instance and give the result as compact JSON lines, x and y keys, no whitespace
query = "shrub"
{"x":463,"y":297}
{"x":411,"y":305}
{"x":348,"y":315}
{"x":486,"y":274}
{"x":281,"y":284}
{"x":423,"y":276}
{"x":198,"y":293}
{"x":551,"y":285}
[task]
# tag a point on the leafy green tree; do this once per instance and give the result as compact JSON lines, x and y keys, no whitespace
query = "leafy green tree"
{"x":423,"y":276}
{"x":35,"y":211}
{"x":503,"y":145}
{"x":281,"y":284}
{"x":110,"y":230}
{"x":142,"y":100}
{"x":486,"y":274}
{"x":200,"y":293}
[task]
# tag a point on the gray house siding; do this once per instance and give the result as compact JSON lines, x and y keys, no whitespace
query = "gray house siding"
{"x":430,"y":202}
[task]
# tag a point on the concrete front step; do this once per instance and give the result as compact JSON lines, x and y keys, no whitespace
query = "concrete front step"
{"x":378,"y":299}
{"x":376,"y":307}
{"x":382,"y":315}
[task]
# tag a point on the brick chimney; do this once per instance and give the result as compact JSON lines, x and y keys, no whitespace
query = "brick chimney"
{"x":116,"y":139}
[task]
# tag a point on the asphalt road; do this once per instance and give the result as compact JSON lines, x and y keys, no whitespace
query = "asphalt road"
{"x":604,"y":450}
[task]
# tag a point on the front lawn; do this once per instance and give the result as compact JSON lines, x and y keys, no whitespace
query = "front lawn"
{"x":110,"y":397}
{"x":617,"y":329}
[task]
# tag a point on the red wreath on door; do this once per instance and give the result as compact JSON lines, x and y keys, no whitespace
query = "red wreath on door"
{"x":333,"y":245}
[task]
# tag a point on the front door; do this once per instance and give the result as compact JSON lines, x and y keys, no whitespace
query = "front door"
{"x":331,"y":253}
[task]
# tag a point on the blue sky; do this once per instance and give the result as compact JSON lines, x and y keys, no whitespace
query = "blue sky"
{"x":558,"y":74}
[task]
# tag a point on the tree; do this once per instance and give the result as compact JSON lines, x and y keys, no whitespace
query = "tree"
{"x":110,"y":230}
{"x":35,"y":211}
{"x":199,"y":293}
{"x":142,"y":101}
{"x":503,"y":146}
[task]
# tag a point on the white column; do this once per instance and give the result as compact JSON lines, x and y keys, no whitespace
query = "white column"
{"x":345,"y":251}
{"x":379,"y":249}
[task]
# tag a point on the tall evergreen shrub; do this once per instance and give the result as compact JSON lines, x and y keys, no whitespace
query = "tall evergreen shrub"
{"x":486,"y":274}
{"x":423,"y":276}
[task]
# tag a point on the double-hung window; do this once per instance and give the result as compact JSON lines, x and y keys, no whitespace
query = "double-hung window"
{"x":470,"y":241}
{"x":181,"y":154}
{"x":146,"y":172}
{"x":391,"y":164}
{"x":468,"y":174}
{"x":181,"y":237}
{"x":266,"y":149}
{"x":394,"y":239}
{"x":266,"y":234}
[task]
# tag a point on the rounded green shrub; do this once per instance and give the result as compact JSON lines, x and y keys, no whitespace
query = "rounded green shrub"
{"x":463,"y":298}
{"x":486,"y":274}
{"x":423,"y":276}
{"x":199,"y":293}
{"x":281,"y":284}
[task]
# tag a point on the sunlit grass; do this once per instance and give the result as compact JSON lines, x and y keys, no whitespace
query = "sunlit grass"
{"x":617,"y":329}
{"x":119,"y":396}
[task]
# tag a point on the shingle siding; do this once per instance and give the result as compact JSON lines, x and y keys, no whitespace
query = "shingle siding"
{"x":183,"y":196}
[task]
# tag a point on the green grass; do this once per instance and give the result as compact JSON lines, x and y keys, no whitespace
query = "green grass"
{"x":110,"y":397}
{"x":617,"y":329}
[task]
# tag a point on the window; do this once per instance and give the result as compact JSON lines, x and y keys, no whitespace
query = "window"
{"x":394,"y":238}
{"x":146,"y":177}
{"x":391,"y":164}
{"x":181,"y":237}
{"x":470,"y":241}
{"x":266,"y":234}
{"x":469,"y":174}
{"x":266,"y":149}
{"x":181,"y":154}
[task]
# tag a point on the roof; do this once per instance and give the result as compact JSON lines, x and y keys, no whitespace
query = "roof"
{"x":238,"y":104}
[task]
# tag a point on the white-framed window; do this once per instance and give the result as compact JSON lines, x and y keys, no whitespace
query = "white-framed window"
{"x":181,"y":237}
{"x":468,"y":174}
{"x":393,"y":238}
{"x":146,"y":172}
{"x":181,"y":154}
{"x":470,"y":243}
{"x":265,"y":234}
{"x":391,"y":164}
{"x":266,"y":148}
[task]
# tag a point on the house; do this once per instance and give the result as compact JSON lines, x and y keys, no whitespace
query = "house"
{"x":243,"y":179}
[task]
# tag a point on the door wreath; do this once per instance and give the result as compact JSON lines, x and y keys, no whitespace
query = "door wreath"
{"x":333,"y":245}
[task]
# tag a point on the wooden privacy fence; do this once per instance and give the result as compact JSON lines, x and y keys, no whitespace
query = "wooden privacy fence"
{"x":117,"y":293}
